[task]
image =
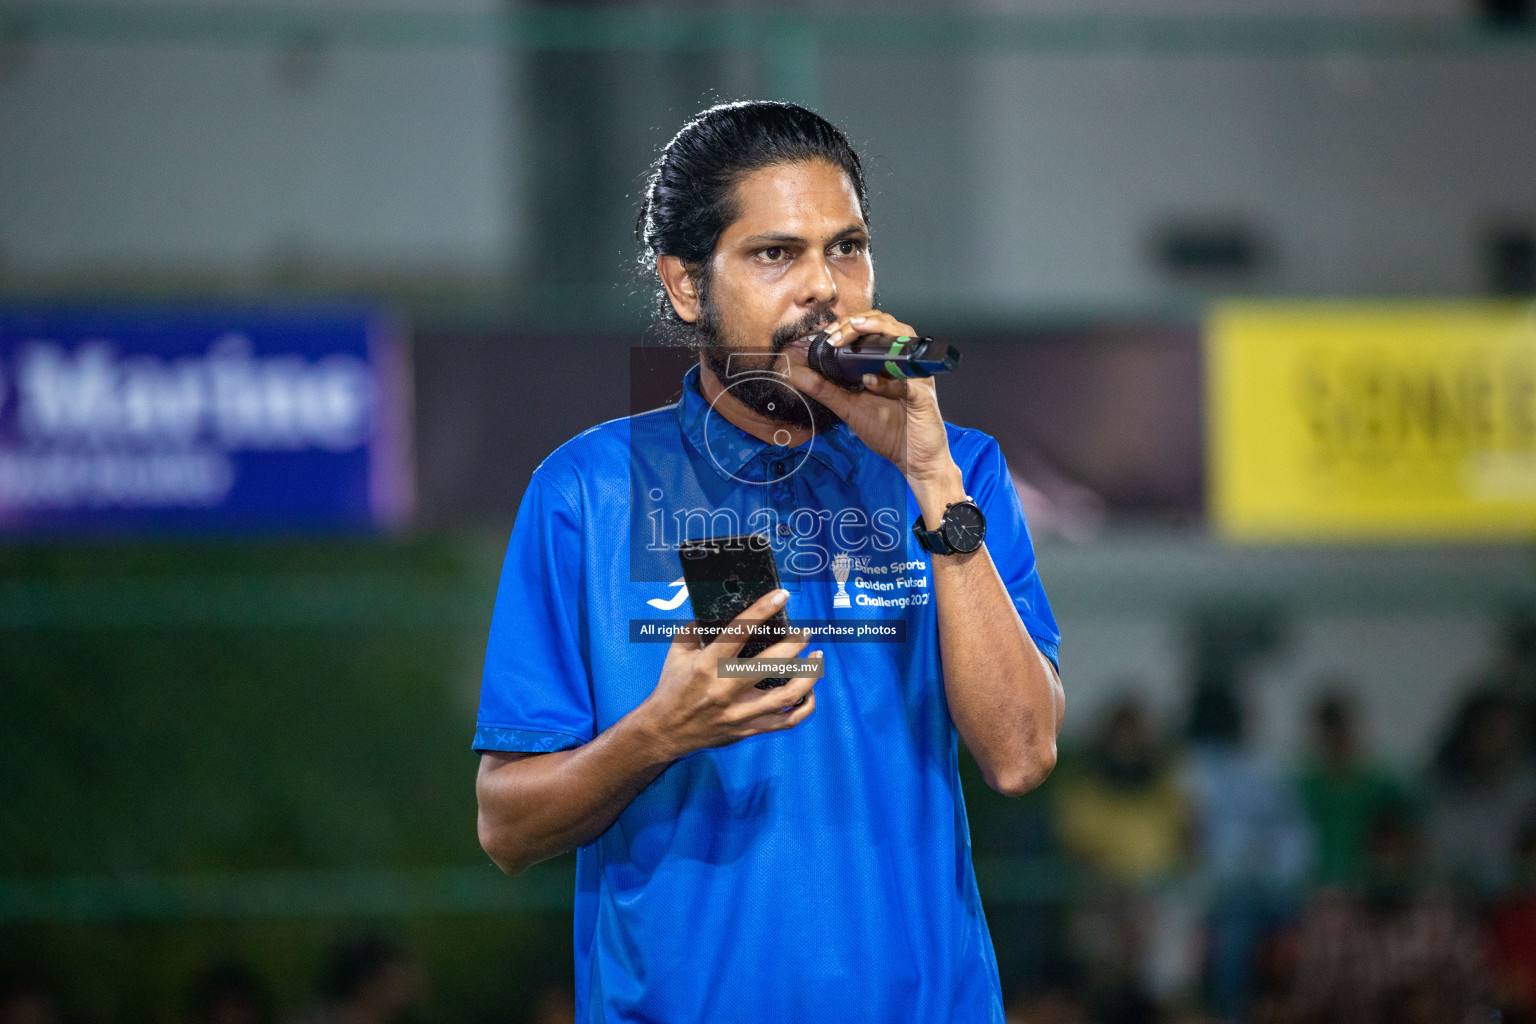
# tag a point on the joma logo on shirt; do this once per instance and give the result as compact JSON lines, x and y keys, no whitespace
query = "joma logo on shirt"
{"x":676,"y":600}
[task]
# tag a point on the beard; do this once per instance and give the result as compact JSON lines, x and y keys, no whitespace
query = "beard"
{"x":753,"y":384}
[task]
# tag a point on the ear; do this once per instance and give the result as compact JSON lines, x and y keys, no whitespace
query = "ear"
{"x":680,"y":288}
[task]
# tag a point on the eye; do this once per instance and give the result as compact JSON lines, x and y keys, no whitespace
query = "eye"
{"x":848,"y":247}
{"x":772,"y":254}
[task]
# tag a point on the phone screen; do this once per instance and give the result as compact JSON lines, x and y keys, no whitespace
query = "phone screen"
{"x":725,"y":575}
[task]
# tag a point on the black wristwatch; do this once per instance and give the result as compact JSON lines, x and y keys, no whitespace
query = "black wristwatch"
{"x":961,"y":531}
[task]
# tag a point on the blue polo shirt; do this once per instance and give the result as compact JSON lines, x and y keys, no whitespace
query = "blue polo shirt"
{"x":821,"y":873}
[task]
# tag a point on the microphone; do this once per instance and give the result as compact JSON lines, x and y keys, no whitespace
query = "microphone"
{"x":885,"y":355}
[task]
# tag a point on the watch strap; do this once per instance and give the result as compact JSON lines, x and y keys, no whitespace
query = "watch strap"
{"x":931,"y":541}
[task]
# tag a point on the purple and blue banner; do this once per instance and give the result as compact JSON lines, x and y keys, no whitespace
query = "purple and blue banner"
{"x":203,"y":420}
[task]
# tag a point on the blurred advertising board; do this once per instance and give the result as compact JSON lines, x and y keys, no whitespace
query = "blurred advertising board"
{"x":202,"y":419}
{"x":1359,"y":421}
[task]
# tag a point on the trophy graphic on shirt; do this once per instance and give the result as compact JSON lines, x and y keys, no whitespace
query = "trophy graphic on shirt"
{"x":841,"y":563}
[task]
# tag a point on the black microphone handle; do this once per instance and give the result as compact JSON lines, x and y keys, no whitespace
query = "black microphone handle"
{"x":895,"y":357}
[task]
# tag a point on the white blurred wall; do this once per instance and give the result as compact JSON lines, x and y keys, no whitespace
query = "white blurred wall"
{"x":1368,"y":175}
{"x":1011,"y":181}
{"x":251,"y":159}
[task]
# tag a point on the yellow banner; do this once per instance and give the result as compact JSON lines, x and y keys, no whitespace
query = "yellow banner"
{"x":1387,"y":420}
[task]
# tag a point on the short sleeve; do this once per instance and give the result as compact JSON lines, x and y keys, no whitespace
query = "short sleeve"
{"x":991,"y":487}
{"x":535,"y":694}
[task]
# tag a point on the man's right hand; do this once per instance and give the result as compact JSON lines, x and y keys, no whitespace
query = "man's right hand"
{"x":534,"y":806}
{"x":694,"y":708}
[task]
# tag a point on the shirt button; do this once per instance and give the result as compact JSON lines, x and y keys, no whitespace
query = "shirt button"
{"x":784,"y":530}
{"x":778,"y":468}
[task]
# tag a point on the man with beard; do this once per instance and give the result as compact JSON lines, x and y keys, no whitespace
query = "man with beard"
{"x":797,"y":853}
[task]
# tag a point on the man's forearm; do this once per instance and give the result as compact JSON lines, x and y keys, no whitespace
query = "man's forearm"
{"x":539,"y":806}
{"x":1003,"y":694}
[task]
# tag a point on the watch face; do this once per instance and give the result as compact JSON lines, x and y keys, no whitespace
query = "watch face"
{"x":964,"y":527}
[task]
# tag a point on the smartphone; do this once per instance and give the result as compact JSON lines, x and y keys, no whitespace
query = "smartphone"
{"x":725,"y":575}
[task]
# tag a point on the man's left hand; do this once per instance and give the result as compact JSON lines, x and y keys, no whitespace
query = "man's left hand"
{"x":898,"y":419}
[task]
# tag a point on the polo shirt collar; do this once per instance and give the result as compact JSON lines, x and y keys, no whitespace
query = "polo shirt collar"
{"x":728,"y":449}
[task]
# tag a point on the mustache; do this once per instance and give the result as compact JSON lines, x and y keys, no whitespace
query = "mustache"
{"x":814,"y":320}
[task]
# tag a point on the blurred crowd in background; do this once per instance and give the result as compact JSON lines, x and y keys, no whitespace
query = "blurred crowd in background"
{"x":1217,"y":884}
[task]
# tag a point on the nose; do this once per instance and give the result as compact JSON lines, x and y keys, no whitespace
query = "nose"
{"x":818,"y":287}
